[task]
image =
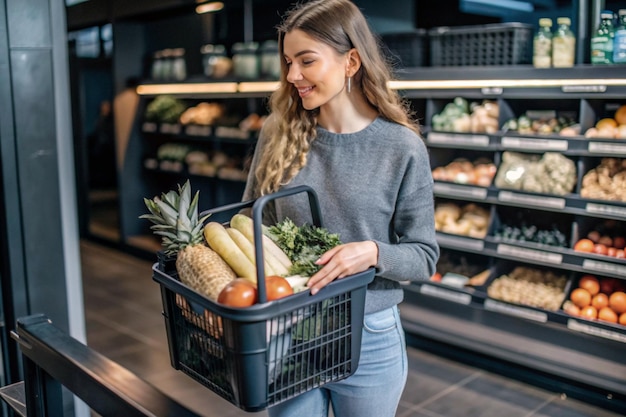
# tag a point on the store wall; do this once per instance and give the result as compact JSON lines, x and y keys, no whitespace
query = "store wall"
{"x":40,"y":258}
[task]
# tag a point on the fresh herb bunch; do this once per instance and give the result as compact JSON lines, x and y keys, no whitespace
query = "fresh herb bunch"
{"x":302,"y":244}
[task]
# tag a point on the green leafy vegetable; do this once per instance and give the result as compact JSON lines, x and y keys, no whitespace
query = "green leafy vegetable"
{"x":302,"y":244}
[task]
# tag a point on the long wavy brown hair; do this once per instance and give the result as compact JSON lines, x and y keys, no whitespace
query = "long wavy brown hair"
{"x":291,"y":129}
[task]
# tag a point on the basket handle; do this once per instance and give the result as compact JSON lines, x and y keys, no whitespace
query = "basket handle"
{"x":257,"y":212}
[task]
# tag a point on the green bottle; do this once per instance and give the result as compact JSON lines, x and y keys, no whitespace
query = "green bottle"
{"x":602,"y":40}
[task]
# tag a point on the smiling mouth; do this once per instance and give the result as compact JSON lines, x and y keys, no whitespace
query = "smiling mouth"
{"x":304,"y":91}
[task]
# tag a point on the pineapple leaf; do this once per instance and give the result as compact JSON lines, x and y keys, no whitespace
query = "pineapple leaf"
{"x":174,"y":217}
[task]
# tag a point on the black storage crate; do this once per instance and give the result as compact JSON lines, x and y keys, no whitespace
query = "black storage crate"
{"x":483,"y":45}
{"x":261,"y":355}
{"x":410,"y":49}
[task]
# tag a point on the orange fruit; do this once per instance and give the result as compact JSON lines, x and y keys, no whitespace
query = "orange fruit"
{"x":600,"y":301}
{"x":607,"y":122}
{"x":581,"y":297}
{"x":600,"y":249}
{"x":607,"y":314}
{"x":584,"y":245}
{"x":620,"y":115}
{"x":617,"y":301}
{"x":622,"y":319}
{"x":590,"y":283}
{"x":589,"y":312}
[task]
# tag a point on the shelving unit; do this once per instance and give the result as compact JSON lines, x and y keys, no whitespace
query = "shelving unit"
{"x":588,"y":353}
{"x":149,"y":181}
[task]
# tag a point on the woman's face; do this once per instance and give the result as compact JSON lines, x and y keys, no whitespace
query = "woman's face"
{"x":315,"y":69}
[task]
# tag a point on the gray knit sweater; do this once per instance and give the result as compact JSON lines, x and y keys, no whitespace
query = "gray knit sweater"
{"x":375,"y":184}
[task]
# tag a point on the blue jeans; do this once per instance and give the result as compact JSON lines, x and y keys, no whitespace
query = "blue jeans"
{"x":375,"y":388}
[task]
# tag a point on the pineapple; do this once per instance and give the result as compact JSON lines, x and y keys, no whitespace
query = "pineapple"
{"x":175,"y":218}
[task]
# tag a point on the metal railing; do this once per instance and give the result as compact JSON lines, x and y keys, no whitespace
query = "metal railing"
{"x":52,"y":360}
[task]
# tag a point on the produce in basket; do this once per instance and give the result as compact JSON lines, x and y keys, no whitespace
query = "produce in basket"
{"x":302,"y":244}
{"x":175,"y":218}
{"x":220,"y":241}
{"x":272,"y":254}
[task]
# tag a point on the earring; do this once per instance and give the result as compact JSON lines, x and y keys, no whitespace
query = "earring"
{"x":349,"y":84}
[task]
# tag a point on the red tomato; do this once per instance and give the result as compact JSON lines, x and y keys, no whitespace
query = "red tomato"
{"x":238,"y":293}
{"x":277,"y":287}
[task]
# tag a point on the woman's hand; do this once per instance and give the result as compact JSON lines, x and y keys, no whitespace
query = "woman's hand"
{"x":343,"y":260}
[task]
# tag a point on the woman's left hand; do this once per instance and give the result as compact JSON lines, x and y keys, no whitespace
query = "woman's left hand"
{"x":343,"y":260}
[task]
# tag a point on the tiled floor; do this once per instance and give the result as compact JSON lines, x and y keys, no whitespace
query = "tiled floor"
{"x":124,"y":322}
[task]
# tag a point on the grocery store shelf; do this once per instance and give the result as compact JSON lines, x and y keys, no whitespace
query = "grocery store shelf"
{"x":568,"y":204}
{"x":509,"y":81}
{"x":525,"y":81}
{"x":502,"y":141}
{"x":548,"y":347}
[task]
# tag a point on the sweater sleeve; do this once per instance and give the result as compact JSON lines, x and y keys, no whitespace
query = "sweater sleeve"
{"x":412,"y":252}
{"x":251,"y":191}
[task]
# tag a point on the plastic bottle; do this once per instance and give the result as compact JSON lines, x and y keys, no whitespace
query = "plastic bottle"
{"x":602,"y":40}
{"x":542,"y":44}
{"x":619,"y":42}
{"x":563,"y":44}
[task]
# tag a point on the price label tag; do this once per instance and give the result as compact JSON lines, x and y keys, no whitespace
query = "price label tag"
{"x":605,"y":267}
{"x":197,"y":130}
{"x":535,"y":144}
{"x":170,"y":128}
{"x":606,"y":209}
{"x":461,"y":242}
{"x":605,"y":147}
{"x":525,"y":253}
{"x":149,"y":127}
{"x":458,"y":139}
{"x":539,"y":201}
{"x":460,"y":190}
{"x":231,"y":133}
{"x":583,"y":88}
{"x":577,"y":326}
{"x":492,"y":91}
{"x":511,"y":310}
{"x":454,"y":296}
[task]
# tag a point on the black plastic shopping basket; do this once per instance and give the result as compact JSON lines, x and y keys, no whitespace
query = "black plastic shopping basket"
{"x":261,"y":355}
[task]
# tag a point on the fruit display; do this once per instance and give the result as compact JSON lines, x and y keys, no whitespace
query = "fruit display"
{"x":470,"y":220}
{"x":607,"y":181}
{"x":610,"y":127}
{"x":463,"y":117}
{"x":530,"y":287}
{"x":462,"y":171}
{"x":598,"y":298}
{"x":550,"y":173}
{"x":542,"y":123}
{"x":607,"y":238}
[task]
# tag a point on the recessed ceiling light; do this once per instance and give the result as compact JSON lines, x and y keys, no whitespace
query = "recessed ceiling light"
{"x":213,"y":6}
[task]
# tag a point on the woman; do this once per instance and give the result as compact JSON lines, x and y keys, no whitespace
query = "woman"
{"x":337,"y":127}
